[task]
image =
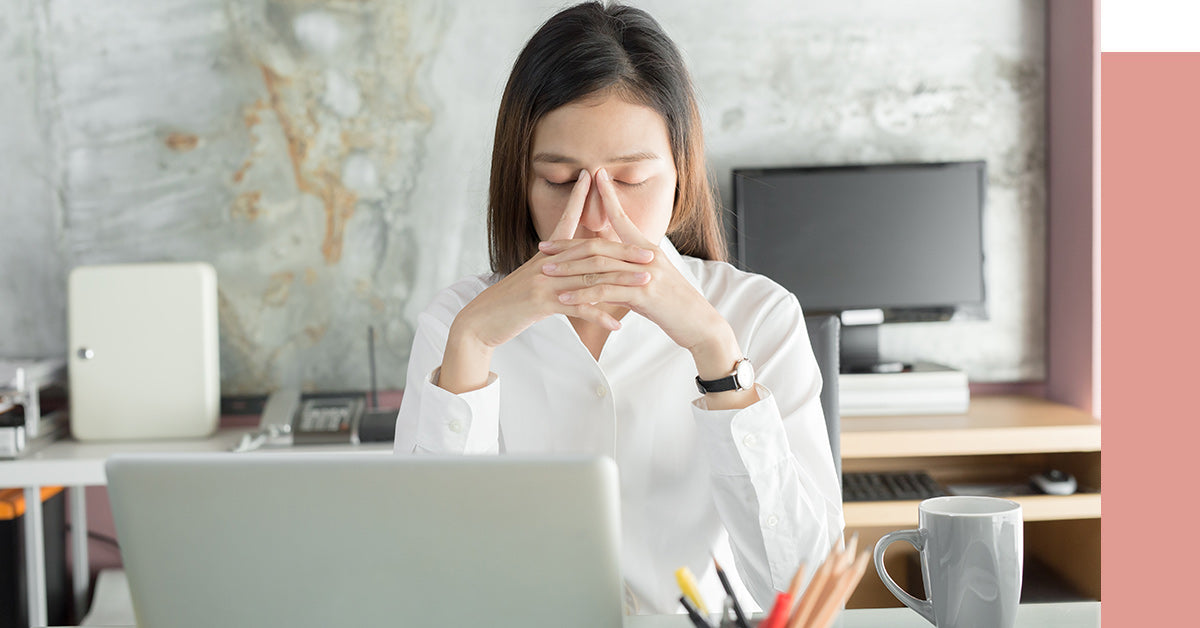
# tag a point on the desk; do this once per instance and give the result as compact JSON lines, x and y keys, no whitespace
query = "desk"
{"x":1062,"y":615}
{"x":77,"y":465}
{"x":1059,"y":615}
{"x":1000,"y":438}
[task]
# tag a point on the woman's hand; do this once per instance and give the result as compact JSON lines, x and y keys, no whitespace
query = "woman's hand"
{"x":666,"y":298}
{"x":527,"y":295}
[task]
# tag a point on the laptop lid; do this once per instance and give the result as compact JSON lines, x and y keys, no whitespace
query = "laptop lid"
{"x":371,"y":540}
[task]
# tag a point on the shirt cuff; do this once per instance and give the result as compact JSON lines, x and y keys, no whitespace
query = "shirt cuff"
{"x":463,"y":423}
{"x":746,"y":441}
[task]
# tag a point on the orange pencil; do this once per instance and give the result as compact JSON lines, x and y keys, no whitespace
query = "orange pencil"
{"x":797,"y":580}
{"x":815,"y":586}
{"x":850,"y":551}
{"x":844,"y":586}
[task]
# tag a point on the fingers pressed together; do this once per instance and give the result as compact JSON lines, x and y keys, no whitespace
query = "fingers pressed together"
{"x":602,"y":267}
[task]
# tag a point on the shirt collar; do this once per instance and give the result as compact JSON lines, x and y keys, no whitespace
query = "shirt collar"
{"x":676,"y":259}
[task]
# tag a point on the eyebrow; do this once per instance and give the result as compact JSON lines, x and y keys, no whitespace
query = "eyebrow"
{"x":555,"y":158}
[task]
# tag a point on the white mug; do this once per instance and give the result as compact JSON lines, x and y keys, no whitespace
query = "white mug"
{"x":971,"y":561}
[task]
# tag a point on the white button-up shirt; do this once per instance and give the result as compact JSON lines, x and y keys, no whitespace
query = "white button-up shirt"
{"x":755,"y":487}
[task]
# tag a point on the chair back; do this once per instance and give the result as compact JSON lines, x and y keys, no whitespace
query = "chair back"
{"x":824,"y":333}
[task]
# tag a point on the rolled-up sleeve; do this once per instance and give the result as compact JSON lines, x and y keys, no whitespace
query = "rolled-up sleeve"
{"x":774,"y":483}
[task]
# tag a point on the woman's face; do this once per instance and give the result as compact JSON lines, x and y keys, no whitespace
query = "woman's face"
{"x":629,"y":141}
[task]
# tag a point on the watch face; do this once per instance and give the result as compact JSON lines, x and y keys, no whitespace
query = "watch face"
{"x":744,"y":374}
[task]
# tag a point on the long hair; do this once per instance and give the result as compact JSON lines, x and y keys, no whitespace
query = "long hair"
{"x":584,"y":50}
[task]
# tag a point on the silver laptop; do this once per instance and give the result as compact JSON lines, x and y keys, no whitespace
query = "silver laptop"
{"x":301,"y":540}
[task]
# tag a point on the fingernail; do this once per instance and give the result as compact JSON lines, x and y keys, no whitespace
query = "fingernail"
{"x":583,"y":173}
{"x":614,"y":324}
{"x":543,"y":245}
{"x":641,"y":276}
{"x":602,"y":174}
{"x":566,"y":297}
{"x":549,"y":268}
{"x":646,"y":254}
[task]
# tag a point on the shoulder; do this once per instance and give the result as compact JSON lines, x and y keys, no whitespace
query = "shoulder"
{"x":447,"y":303}
{"x":759,"y":310}
{"x":727,"y":287}
{"x":766,"y":318}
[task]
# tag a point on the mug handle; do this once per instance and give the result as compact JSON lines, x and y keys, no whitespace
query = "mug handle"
{"x":916,"y":538}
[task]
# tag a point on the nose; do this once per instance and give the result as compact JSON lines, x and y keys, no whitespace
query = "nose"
{"x":594,"y":218}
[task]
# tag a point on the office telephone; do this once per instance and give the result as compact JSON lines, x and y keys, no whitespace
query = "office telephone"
{"x":292,"y":418}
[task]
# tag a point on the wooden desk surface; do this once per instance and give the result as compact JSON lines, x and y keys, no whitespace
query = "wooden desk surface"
{"x":994,"y":424}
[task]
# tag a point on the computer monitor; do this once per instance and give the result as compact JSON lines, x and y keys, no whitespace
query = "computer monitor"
{"x":871,"y":243}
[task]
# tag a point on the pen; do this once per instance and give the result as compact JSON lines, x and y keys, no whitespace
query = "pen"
{"x":737,"y":608}
{"x":697,"y":619}
{"x":687,"y":584}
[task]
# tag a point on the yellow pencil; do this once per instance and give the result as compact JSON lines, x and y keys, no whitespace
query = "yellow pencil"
{"x":687,"y":584}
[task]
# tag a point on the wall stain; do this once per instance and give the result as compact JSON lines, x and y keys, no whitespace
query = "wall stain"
{"x":316,"y":332}
{"x":251,"y":119}
{"x":339,"y":202}
{"x":241,"y":171}
{"x":182,"y":142}
{"x":246,"y":206}
{"x":279,"y":288}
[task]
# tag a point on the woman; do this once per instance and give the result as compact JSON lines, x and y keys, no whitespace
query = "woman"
{"x":612,"y":326}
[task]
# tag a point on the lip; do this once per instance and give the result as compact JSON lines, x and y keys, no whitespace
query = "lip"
{"x":969,"y":506}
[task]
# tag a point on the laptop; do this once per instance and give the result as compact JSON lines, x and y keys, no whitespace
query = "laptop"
{"x":327,"y":539}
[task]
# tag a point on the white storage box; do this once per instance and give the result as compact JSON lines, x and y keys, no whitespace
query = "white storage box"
{"x":143,"y":360}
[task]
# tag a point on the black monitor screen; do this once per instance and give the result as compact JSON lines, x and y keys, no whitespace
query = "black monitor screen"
{"x":859,"y":237}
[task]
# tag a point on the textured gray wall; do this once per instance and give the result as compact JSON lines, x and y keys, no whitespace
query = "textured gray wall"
{"x":330,"y":158}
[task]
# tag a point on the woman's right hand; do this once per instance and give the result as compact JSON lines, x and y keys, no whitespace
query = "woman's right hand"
{"x":526,"y":296}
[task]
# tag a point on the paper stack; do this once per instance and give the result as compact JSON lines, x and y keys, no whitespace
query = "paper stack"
{"x":926,"y":388}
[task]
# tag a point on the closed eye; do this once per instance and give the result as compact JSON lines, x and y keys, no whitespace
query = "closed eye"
{"x":571,"y":182}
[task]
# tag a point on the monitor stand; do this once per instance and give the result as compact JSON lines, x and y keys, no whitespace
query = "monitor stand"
{"x":860,"y":351}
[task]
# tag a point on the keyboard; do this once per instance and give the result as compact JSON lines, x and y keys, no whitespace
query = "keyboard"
{"x":871,"y":486}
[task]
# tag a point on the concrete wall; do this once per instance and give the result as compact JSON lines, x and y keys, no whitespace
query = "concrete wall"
{"x":330,"y":159}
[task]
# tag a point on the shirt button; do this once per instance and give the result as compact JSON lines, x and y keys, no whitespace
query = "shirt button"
{"x":750,"y":440}
{"x":455,"y":426}
{"x":772,"y":520}
{"x":601,"y":392}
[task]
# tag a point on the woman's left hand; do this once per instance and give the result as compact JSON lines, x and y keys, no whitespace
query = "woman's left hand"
{"x":666,"y":298}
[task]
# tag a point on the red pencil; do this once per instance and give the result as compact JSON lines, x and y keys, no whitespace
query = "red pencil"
{"x":779,"y":613}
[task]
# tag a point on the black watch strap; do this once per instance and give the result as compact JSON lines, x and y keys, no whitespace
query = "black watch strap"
{"x":716,"y":385}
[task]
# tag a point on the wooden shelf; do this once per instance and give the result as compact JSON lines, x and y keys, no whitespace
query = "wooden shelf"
{"x":1000,"y":440}
{"x":993,"y":425}
{"x":903,"y":514}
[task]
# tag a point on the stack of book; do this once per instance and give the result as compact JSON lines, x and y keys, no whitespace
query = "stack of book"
{"x":924,"y":388}
{"x":32,"y":405}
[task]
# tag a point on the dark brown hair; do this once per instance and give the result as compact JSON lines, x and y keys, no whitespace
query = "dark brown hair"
{"x":585,"y":50}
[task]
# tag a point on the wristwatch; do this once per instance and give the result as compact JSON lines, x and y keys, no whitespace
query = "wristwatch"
{"x":742,"y":378}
